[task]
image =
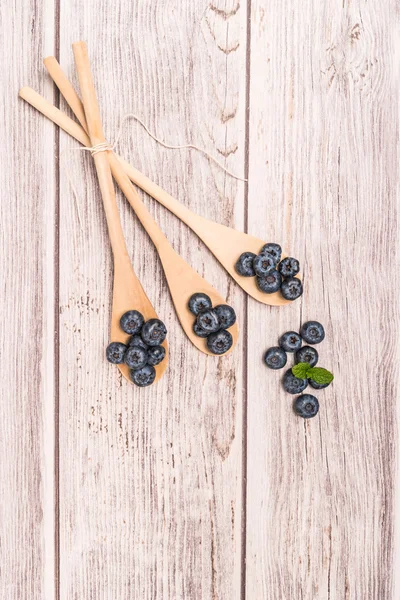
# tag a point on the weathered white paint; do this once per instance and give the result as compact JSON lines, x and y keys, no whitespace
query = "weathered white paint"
{"x":151,"y":482}
{"x":27,"y":376}
{"x":323,"y":173}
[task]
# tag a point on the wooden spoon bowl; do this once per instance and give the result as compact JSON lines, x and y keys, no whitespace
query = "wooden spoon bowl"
{"x":128,"y":294}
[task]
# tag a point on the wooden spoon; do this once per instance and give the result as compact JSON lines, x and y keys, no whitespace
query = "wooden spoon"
{"x":225,"y":243}
{"x":183,"y":281}
{"x":128,"y":293}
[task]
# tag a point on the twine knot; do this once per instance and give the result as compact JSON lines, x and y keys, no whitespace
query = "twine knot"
{"x":102,"y":147}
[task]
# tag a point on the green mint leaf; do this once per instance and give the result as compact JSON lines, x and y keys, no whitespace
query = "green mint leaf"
{"x":320,"y":375}
{"x":301,"y":370}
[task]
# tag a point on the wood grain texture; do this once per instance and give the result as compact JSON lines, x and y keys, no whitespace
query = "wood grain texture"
{"x":205,"y":486}
{"x":323,"y":174}
{"x":27,"y":184}
{"x":151,"y":480}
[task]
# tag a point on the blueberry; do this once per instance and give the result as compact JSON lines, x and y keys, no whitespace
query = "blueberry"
{"x":219,"y":342}
{"x":199,"y":331}
{"x":154,"y":332}
{"x":115,"y":353}
{"x":306,"y":406}
{"x":136,"y":340}
{"x":306,"y":354}
{"x":226,"y":315}
{"x":290,"y":341}
{"x":317,"y":386}
{"x":155,"y":355}
{"x":199,"y":302}
{"x":136,"y":357}
{"x":273,"y":250}
{"x":208,"y":320}
{"x":293,"y":384}
{"x":312,"y":332}
{"x":131,"y":322}
{"x":270,"y":283}
{"x":289,"y":267}
{"x":144,"y":376}
{"x":263,"y":264}
{"x":291,"y":288}
{"x":244,"y":264}
{"x":275,"y":358}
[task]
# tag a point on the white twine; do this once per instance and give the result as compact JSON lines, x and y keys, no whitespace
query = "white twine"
{"x":188,"y":146}
{"x":105,"y":147}
{"x":102,"y":147}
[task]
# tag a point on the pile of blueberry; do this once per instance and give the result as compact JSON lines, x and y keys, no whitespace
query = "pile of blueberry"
{"x":212,"y":323}
{"x":143,"y":351}
{"x":311,"y":332}
{"x":272,"y":273}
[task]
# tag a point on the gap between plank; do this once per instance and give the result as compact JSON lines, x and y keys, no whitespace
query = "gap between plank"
{"x":49,"y":367}
{"x":57,"y":9}
{"x":246,"y":307}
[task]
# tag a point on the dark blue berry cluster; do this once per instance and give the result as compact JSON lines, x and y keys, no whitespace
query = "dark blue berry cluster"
{"x":276,"y":357}
{"x":272,"y":273}
{"x":212,"y":323}
{"x":143,"y":351}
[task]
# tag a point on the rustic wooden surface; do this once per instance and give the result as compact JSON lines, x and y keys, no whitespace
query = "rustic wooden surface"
{"x":205,"y":486}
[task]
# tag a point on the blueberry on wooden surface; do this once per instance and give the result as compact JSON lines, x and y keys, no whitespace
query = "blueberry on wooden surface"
{"x":219,"y":342}
{"x":306,"y":354}
{"x":208,"y":320}
{"x":135,"y":357}
{"x":144,"y":376}
{"x":199,"y":331}
{"x":244,"y":264}
{"x":306,"y":406}
{"x":289,"y":267}
{"x":293,"y":384}
{"x":291,"y":288}
{"x":270,"y":283}
{"x":290,"y":341}
{"x":312,"y":332}
{"x":115,"y":353}
{"x":155,"y":355}
{"x":263,"y":264}
{"x":275,"y":358}
{"x":273,"y":250}
{"x":153,"y":332}
{"x":131,"y":322}
{"x":226,"y":316}
{"x":199,"y":302}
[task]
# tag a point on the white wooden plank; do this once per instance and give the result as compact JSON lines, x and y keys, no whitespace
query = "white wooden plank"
{"x":27,"y":209}
{"x":323,"y":168}
{"x":151,"y":480}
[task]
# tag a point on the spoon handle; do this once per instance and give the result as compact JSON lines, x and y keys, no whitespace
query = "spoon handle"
{"x":118,"y":166}
{"x":156,"y":235}
{"x":155,"y":191}
{"x":66,"y":88}
{"x":195,"y":222}
{"x":96,"y":136}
